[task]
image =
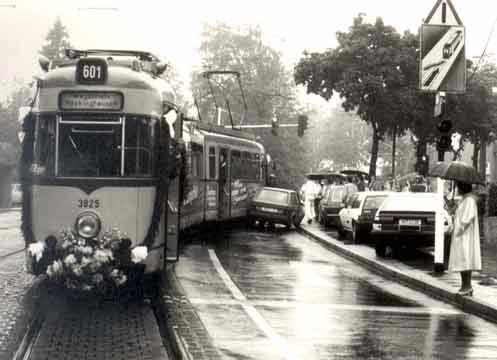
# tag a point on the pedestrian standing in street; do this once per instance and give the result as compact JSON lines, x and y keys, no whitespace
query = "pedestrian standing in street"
{"x":465,"y":255}
{"x":310,"y":190}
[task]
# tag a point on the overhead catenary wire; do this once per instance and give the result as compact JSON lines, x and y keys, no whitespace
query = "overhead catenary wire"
{"x":484,"y":51}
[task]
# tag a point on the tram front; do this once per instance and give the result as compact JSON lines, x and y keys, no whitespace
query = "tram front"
{"x":94,"y":144}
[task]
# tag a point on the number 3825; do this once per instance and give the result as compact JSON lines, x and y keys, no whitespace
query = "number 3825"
{"x":89,"y":203}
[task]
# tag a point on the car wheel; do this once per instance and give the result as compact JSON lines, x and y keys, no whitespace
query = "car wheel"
{"x":380,"y":248}
{"x":356,"y":237}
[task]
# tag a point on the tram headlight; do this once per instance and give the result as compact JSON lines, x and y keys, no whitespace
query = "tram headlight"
{"x":88,"y":225}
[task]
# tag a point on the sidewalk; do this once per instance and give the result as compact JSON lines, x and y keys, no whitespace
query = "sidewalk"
{"x":420,"y":276}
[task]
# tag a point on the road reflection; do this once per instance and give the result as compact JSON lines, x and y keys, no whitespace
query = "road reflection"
{"x":326,"y":307}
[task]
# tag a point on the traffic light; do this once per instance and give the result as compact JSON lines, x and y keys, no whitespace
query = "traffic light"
{"x":423,"y":165}
{"x":274,"y":126}
{"x":302,"y":125}
{"x":444,"y":141}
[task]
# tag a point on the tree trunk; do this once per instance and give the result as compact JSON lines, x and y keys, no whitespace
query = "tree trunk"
{"x":476,"y":149}
{"x":374,"y":152}
{"x":394,"y":138}
{"x":483,"y":158}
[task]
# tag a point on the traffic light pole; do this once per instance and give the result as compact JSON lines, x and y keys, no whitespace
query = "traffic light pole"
{"x":438,"y":261}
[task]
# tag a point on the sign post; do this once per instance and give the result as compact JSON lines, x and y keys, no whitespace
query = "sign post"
{"x":442,"y":69}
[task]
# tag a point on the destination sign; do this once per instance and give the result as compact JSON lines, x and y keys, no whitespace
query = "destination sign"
{"x":91,"y":101}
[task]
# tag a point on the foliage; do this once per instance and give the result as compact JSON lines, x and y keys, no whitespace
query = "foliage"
{"x":9,"y":141}
{"x":338,"y":140}
{"x":474,"y":113}
{"x":267,"y":87}
{"x":56,"y":41}
{"x":370,"y":70}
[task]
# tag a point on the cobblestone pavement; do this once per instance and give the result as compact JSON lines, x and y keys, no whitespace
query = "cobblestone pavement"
{"x":10,"y":233}
{"x":98,"y":330}
{"x":18,"y":302}
{"x":184,"y":320}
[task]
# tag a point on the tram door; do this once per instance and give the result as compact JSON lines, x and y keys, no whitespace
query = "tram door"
{"x":224,"y":184}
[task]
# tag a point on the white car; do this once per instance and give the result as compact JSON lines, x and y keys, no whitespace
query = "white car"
{"x":407,"y":219}
{"x":357,"y":216}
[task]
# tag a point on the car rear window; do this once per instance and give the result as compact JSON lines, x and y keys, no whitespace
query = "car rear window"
{"x":411,"y":202}
{"x":336,"y":194}
{"x":374,"y":202}
{"x":273,"y":196}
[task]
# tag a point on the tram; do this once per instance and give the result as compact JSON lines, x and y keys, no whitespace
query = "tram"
{"x":106,"y":147}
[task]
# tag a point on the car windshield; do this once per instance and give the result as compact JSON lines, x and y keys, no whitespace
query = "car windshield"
{"x":273,"y":196}
{"x":374,"y":202}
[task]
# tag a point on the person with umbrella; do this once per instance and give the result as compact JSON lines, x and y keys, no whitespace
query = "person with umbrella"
{"x":465,"y":253}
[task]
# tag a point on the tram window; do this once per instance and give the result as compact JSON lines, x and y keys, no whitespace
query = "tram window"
{"x":140,"y":140}
{"x":196,"y":160}
{"x":212,"y":163}
{"x":89,"y":150}
{"x":44,"y":156}
{"x":237,"y":168}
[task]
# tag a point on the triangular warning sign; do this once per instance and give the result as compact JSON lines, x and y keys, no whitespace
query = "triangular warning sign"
{"x":443,"y":13}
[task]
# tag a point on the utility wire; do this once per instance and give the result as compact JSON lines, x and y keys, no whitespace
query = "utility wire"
{"x":484,"y":51}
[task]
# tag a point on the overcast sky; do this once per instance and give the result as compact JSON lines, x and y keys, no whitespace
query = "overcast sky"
{"x":171,"y":29}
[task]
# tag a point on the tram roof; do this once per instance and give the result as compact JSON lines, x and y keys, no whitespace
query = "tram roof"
{"x":215,"y":131}
{"x":124,"y":73}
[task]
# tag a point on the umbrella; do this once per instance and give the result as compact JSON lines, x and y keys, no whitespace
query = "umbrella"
{"x":354,"y":172}
{"x":324,"y":175}
{"x":457,"y":171}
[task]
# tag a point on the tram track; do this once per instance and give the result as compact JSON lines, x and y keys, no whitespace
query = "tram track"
{"x":69,"y":328}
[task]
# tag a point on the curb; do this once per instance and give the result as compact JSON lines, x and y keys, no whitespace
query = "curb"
{"x":178,"y":346}
{"x":420,"y":282}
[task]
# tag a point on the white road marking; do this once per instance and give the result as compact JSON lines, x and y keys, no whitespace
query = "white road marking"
{"x":251,"y":311}
{"x":420,"y":310}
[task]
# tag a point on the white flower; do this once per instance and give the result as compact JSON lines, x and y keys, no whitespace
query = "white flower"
{"x":122,"y":279}
{"x":102,"y":256}
{"x":36,"y":250}
{"x":70,"y":259}
{"x":57,"y":267}
{"x":77,"y":270}
{"x":85,"y":261}
{"x":139,"y":254}
{"x":66,"y":244}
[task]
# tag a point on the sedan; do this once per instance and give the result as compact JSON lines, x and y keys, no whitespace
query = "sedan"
{"x":407,"y":219}
{"x":275,"y":205}
{"x":332,"y":202}
{"x":357,"y":217}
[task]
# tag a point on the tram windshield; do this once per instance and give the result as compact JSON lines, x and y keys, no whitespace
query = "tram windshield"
{"x":98,"y":146}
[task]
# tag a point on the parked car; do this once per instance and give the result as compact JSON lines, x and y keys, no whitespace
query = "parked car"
{"x":332,"y":202}
{"x":16,"y":194}
{"x":407,"y":219}
{"x":276,"y":206}
{"x":357,"y":216}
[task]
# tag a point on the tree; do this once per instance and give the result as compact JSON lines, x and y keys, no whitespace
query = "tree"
{"x":268,"y":89}
{"x":367,"y":70}
{"x":474,"y":113}
{"x":56,"y":41}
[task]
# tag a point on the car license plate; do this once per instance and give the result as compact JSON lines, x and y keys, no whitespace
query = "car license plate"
{"x":409,"y":222}
{"x":271,"y":210}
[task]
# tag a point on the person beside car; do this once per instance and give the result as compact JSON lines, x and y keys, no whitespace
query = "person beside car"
{"x":465,"y":253}
{"x":310,"y":190}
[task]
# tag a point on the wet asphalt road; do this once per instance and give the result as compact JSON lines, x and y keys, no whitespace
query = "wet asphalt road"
{"x":279,"y":295}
